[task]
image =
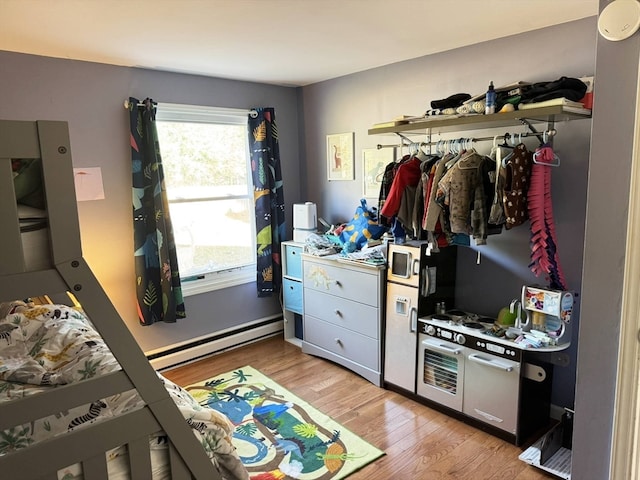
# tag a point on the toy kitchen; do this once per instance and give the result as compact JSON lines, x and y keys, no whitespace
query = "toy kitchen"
{"x":494,"y":373}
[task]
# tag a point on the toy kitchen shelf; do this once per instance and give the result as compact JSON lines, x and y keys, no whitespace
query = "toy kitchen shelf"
{"x":457,"y":123}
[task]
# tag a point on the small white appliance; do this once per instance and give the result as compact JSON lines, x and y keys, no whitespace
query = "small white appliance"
{"x":305,"y":220}
{"x":305,"y":216}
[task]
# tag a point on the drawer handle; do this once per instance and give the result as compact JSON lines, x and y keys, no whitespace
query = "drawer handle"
{"x":337,"y":312}
{"x":337,"y":282}
{"x":338,"y":341}
{"x":490,"y":363}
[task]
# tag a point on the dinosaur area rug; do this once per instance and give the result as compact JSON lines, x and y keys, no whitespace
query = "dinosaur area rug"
{"x":278,"y":435}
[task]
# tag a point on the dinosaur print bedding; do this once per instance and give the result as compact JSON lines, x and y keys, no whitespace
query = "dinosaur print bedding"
{"x":46,"y":346}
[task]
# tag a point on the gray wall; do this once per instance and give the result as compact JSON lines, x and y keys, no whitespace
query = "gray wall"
{"x":604,"y":256}
{"x":90,"y":97}
{"x":356,"y":102}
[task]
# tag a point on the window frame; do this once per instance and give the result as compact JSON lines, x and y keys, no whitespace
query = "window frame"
{"x":182,"y":113}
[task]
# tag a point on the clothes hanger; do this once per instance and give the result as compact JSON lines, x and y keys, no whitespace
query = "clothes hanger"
{"x":469,"y":145}
{"x":494,"y":148}
{"x":505,"y":140}
{"x":413,"y":149}
{"x":421,"y":154}
{"x":508,"y":138}
{"x":456,"y":149}
{"x":470,"y":159}
{"x":544,"y":155}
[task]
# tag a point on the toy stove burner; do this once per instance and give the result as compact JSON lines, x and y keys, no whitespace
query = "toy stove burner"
{"x":457,"y":316}
{"x":475,"y":326}
{"x":441,"y":318}
{"x":487,"y":320}
{"x":467,"y":321}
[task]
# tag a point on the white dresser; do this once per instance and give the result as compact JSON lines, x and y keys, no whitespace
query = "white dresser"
{"x":343,"y":313}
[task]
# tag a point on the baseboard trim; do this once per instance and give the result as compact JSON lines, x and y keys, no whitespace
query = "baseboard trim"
{"x":180,"y":354}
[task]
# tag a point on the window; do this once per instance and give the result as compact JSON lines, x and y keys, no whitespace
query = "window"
{"x":205,"y":154}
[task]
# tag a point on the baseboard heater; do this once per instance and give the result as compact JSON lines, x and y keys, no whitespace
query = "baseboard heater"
{"x":191,"y":350}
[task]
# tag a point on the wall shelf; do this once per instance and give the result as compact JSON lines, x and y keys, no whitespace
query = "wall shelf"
{"x":457,"y":123}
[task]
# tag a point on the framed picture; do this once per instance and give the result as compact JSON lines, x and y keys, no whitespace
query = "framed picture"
{"x":340,"y":156}
{"x":374,"y":162}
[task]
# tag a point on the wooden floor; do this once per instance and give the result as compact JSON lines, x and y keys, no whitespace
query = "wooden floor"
{"x":420,"y":443}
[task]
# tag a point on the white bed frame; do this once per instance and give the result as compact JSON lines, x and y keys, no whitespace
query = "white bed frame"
{"x":49,"y":140}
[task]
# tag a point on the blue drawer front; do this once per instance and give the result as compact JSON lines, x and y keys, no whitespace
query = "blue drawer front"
{"x":292,"y":295}
{"x":293,"y":259}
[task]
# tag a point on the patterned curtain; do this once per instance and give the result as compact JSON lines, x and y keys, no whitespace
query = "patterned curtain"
{"x":268,"y":196}
{"x":158,"y":288}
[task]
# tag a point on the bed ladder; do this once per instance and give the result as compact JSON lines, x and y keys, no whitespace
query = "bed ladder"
{"x":49,"y":140}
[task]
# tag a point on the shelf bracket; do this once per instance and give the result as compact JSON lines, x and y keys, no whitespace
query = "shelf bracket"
{"x":405,"y":138}
{"x":550,"y":127}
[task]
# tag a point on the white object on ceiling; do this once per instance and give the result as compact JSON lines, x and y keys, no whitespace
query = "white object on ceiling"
{"x":282,"y":42}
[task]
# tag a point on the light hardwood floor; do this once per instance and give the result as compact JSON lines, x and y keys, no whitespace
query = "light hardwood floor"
{"x":420,"y":443}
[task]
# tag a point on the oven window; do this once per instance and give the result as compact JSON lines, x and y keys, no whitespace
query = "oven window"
{"x":400,"y":264}
{"x":440,"y":371}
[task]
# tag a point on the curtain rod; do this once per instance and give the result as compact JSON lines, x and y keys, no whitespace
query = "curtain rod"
{"x":253,"y":112}
{"x":127,"y":104}
{"x":549,"y":133}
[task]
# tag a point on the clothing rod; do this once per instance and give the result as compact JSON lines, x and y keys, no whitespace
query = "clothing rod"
{"x":550,"y":133}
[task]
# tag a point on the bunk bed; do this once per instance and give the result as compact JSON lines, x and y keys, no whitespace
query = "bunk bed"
{"x":91,"y":361}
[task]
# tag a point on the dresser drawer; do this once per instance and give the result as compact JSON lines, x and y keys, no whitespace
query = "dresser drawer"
{"x":292,"y":255}
{"x":340,"y":341}
{"x":292,"y":295}
{"x":356,"y":285}
{"x":348,"y":314}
